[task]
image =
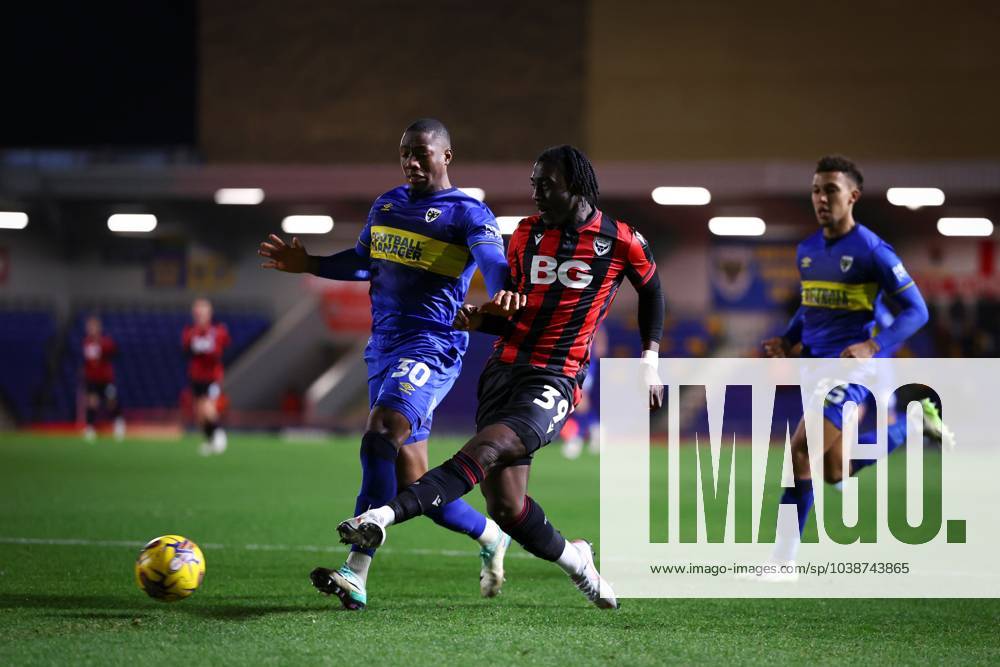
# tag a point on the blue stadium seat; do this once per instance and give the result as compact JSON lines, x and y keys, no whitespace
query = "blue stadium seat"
{"x":25,"y":337}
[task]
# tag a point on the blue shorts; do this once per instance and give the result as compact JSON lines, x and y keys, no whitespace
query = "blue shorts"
{"x":833,"y":406}
{"x":412,"y":373}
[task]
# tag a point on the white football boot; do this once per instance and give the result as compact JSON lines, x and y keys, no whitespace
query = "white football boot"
{"x":344,"y":583}
{"x":119,"y":429}
{"x":219,"y":441}
{"x":365,"y":530}
{"x":572,"y":448}
{"x":589,"y":580}
{"x":491,"y":574}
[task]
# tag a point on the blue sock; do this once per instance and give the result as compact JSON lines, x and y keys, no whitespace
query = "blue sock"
{"x":378,"y":476}
{"x":802,"y":496}
{"x":895,"y":438}
{"x":460,"y":517}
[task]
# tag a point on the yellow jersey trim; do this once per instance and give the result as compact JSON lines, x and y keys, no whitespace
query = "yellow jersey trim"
{"x":839,"y":296}
{"x":418,"y":251}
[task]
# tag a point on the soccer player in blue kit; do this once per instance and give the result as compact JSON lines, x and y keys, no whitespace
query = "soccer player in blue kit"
{"x":419,"y":249}
{"x":845,"y":269}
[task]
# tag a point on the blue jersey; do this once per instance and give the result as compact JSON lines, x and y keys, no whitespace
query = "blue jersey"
{"x":841,"y":282}
{"x":420,"y":251}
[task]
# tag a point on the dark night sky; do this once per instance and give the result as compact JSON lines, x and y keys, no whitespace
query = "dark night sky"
{"x":93,"y":74}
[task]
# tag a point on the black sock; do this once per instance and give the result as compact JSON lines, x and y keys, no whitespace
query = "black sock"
{"x":533,"y":532}
{"x":208,"y":428}
{"x":91,"y":416}
{"x":452,"y":479}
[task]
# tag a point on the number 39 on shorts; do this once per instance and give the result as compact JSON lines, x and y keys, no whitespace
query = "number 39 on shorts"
{"x":547,"y":401}
{"x":417,"y":371}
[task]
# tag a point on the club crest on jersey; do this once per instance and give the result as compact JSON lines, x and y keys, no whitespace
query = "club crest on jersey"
{"x":806,"y":262}
{"x":386,"y":207}
{"x":602,"y":244}
{"x":846,"y":261}
{"x":432,"y":214}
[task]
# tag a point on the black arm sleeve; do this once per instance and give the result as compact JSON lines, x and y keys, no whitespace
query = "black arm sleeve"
{"x":494,"y":325}
{"x":651,"y":305}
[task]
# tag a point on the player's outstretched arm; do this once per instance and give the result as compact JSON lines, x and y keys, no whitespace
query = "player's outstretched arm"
{"x":895,"y":283}
{"x":293,"y":258}
{"x":504,"y":303}
{"x":492,"y":264}
{"x":472,"y":318}
{"x":468,"y":318}
{"x":906,"y":323}
{"x":283,"y":257}
{"x":493,"y":316}
{"x":650,"y":316}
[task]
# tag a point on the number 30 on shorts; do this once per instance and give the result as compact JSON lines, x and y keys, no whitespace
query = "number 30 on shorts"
{"x":417,"y":371}
{"x":547,"y":401}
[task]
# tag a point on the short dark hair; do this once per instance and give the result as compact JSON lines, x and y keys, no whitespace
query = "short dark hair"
{"x":576,"y":168}
{"x":430,"y":125}
{"x":844,"y":165}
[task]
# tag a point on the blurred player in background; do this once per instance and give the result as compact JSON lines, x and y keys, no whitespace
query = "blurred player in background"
{"x":99,"y":379}
{"x":566,"y":267}
{"x":419,"y":249}
{"x":583,"y":427}
{"x":844,"y":269}
{"x":204,"y":342}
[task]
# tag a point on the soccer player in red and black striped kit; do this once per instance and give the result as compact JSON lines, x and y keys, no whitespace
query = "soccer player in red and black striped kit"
{"x":99,"y":378}
{"x":204,"y":342}
{"x":566,"y":266}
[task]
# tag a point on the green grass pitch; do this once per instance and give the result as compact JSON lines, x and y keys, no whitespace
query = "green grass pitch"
{"x":265,"y":515}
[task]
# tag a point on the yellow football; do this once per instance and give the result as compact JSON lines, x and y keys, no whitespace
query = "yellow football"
{"x":170,"y":568}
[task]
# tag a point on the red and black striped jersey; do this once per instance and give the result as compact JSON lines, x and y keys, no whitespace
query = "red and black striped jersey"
{"x":570,"y":276}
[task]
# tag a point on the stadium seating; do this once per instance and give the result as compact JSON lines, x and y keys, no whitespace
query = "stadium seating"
{"x":25,"y":336}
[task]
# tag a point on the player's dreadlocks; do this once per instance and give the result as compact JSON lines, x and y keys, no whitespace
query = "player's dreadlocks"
{"x":579,"y":172}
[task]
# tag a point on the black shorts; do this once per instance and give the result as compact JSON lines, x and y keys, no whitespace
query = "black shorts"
{"x":103,"y":390}
{"x":203,"y":389}
{"x":532,"y":402}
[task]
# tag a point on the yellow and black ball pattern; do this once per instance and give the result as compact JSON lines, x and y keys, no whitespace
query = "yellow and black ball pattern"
{"x":170,"y":568}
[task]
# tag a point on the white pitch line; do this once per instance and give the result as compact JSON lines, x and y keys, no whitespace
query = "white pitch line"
{"x":339,"y":548}
{"x":313,"y":548}
{"x":78,"y":542}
